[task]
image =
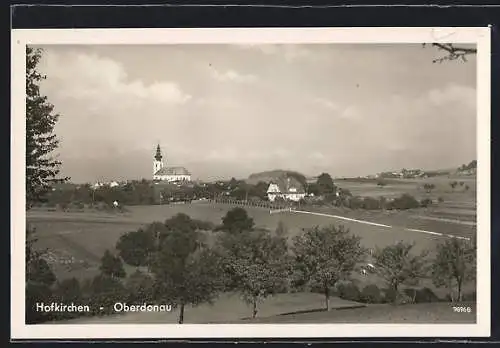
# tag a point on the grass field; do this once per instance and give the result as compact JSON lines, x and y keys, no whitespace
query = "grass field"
{"x":458,"y":204}
{"x":422,"y":313}
{"x":227,"y":308}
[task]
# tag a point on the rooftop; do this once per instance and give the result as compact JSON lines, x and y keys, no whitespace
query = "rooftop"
{"x":173,"y":171}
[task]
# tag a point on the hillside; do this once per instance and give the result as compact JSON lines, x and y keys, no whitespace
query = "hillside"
{"x":275,"y":175}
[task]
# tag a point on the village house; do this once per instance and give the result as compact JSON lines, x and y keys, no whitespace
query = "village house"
{"x":287,"y":189}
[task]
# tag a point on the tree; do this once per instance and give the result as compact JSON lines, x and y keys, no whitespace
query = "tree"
{"x":453,"y":52}
{"x":325,"y":184}
{"x":256,"y":263}
{"x":104,"y":292}
{"x":325,"y":255}
{"x":454,"y":265}
{"x":188,"y":272}
{"x":39,"y":272}
{"x":112,"y":265}
{"x":140,"y":287}
{"x":313,"y":189}
{"x":397,"y":265}
{"x":135,"y":247}
{"x":69,"y":290}
{"x":41,"y":168}
{"x":236,"y":221}
{"x":453,"y":184}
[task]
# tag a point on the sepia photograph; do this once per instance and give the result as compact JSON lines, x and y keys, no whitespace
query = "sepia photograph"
{"x":251,"y":179}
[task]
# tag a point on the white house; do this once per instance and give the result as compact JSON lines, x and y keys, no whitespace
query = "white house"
{"x":288,"y":189}
{"x":169,"y":174}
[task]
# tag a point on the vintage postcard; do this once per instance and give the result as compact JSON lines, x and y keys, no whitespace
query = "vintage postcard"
{"x":250,"y":183}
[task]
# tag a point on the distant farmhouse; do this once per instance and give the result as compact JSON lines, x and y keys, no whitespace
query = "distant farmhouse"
{"x":287,"y":188}
{"x":106,"y":184}
{"x":168,"y":174}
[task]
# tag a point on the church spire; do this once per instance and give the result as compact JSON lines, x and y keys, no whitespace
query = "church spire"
{"x":158,"y":155}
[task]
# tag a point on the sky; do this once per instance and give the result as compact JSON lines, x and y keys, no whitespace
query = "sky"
{"x":227,"y":111}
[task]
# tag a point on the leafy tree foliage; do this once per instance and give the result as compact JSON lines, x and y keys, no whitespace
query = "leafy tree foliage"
{"x":349,"y":291}
{"x":403,"y":202}
{"x":257,"y":263}
{"x":472,"y":165}
{"x":188,"y":272}
{"x":41,"y":167}
{"x":135,"y":247}
{"x":41,"y":171}
{"x":397,"y":265}
{"x":104,"y":291}
{"x":237,"y":221}
{"x":454,"y":265}
{"x":325,"y":184}
{"x":69,"y":290}
{"x":111,"y":265}
{"x":39,"y":272}
{"x":326,"y":255}
{"x":371,"y":294}
{"x":140,"y":287}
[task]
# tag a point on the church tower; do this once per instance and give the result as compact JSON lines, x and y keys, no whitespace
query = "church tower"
{"x":158,"y":160}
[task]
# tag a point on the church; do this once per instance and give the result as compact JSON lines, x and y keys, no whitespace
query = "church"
{"x":168,"y":174}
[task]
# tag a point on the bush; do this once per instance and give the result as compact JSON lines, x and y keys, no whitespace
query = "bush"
{"x":355,"y":203}
{"x":371,"y":294}
{"x":426,"y":295}
{"x":404,"y":297}
{"x":390,"y":296}
{"x":425,"y":202}
{"x":105,"y":291}
{"x":405,"y":201}
{"x":139,"y":287}
{"x":349,"y":292}
{"x":68,"y":291}
{"x":370,"y":203}
{"x":440,"y":199}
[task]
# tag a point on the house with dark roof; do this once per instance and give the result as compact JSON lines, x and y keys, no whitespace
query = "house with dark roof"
{"x":287,"y":188}
{"x":169,"y":174}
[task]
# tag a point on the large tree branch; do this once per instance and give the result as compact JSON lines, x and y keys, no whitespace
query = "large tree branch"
{"x":453,"y":52}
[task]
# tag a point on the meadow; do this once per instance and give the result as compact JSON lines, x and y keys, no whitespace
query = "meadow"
{"x":227,"y":308}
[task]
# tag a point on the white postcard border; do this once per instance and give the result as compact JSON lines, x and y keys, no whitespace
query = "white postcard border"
{"x":20,"y":38}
